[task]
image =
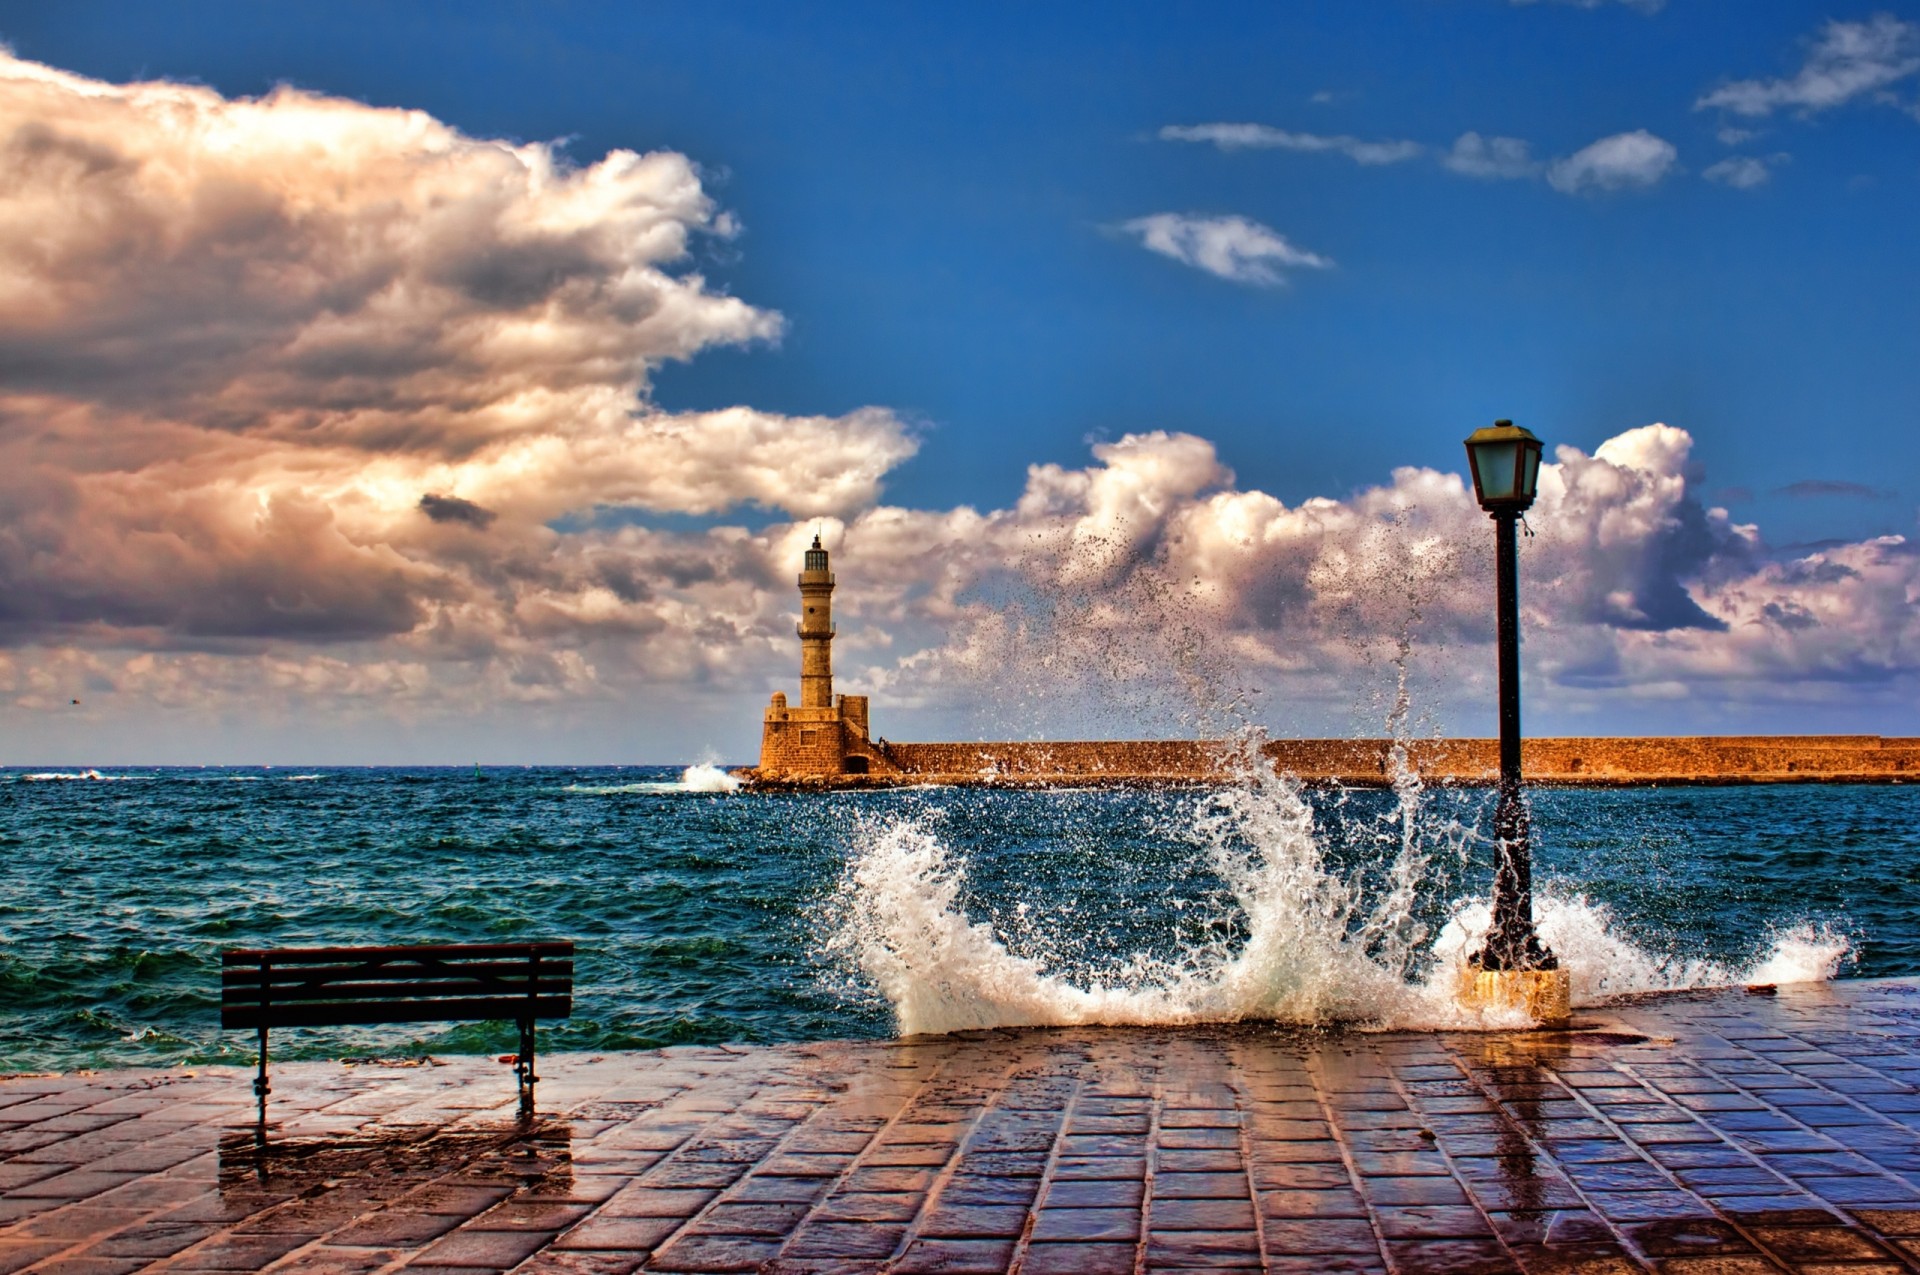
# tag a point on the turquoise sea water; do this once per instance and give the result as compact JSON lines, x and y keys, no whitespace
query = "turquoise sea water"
{"x":708,"y":917}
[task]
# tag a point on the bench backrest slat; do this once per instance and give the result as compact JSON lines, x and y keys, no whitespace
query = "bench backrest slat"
{"x":353,"y":1013}
{"x":310,"y":987}
{"x":402,"y":989}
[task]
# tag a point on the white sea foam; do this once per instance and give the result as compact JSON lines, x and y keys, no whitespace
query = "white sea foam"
{"x":56,"y":776}
{"x":701,"y":777}
{"x":1318,"y":948}
{"x":706,"y":776}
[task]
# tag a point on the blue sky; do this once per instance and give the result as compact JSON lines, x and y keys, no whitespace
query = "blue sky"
{"x":950,"y":210}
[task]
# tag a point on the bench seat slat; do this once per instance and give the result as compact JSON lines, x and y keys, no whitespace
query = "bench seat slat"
{"x":322,"y":955}
{"x":354,"y":1013}
{"x":249,"y":994}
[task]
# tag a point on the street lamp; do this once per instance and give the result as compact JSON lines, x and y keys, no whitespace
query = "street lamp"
{"x":1513,"y":968}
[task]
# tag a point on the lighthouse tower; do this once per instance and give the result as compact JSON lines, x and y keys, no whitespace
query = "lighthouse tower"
{"x":816,"y":630}
{"x":824,"y":734}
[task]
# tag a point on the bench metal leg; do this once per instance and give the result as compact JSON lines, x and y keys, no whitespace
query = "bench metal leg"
{"x":523,"y":1069}
{"x":260,"y":1087}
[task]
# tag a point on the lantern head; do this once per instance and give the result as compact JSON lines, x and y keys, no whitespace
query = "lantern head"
{"x":1506,"y":467}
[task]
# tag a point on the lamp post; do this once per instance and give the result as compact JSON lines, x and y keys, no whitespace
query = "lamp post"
{"x":1513,"y":968}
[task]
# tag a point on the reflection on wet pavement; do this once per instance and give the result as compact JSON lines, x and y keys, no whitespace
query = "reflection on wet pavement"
{"x":1701,"y":1134}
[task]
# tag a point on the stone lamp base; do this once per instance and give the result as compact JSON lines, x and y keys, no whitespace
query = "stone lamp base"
{"x":1545,"y":995}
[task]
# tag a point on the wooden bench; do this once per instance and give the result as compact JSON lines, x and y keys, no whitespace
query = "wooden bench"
{"x":347,"y":986}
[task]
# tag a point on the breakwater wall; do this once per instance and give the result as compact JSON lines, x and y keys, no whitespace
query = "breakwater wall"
{"x":1581,"y":761}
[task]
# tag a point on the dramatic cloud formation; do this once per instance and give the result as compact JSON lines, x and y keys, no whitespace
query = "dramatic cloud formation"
{"x":1151,"y":572}
{"x":1490,"y":157}
{"x":1849,"y":60}
{"x":1233,"y":248}
{"x":295,"y":368}
{"x":311,"y":408}
{"x":1621,"y":162}
{"x":1233,"y":137}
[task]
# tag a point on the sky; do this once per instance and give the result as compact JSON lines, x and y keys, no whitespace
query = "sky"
{"x":455,"y":383}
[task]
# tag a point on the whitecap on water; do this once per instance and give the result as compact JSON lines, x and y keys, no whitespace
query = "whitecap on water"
{"x":56,"y":776}
{"x":706,"y":776}
{"x":1317,"y":948}
{"x":701,"y":777}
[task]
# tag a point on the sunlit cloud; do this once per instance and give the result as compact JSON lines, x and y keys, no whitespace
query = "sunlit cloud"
{"x":297,"y":369}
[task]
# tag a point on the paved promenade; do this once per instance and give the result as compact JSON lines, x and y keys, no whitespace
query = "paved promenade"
{"x":1704,"y":1134}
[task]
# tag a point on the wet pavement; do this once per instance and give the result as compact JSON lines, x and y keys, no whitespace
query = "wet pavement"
{"x":1698,"y":1134}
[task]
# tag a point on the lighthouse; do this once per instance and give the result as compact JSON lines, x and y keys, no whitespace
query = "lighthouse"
{"x":824,"y":734}
{"x":816,"y":630}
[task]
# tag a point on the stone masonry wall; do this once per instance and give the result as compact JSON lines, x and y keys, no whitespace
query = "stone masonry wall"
{"x":1584,"y":761}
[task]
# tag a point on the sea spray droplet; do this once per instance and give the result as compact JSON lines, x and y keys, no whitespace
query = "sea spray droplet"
{"x":1317,"y":945}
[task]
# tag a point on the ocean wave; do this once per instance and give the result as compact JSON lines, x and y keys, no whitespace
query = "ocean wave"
{"x":62,"y":776}
{"x":1312,"y":946}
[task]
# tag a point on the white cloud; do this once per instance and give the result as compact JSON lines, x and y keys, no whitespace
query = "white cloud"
{"x":1623,"y":161}
{"x":1490,"y":157}
{"x":1150,"y":582}
{"x":1743,"y":172}
{"x":1233,"y":248}
{"x":1849,"y":60}
{"x":1231,"y":137}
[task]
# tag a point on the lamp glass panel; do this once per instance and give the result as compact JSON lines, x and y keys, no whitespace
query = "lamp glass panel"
{"x":1496,"y":465}
{"x":1531,"y":483}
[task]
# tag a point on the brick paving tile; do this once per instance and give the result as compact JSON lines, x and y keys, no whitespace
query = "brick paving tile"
{"x":1326,"y":1264}
{"x":845,"y":1240}
{"x":619,"y":1233}
{"x":1190,"y":1249}
{"x":1062,"y":1225}
{"x":1199,"y":1186}
{"x":555,"y":1262}
{"x":236,"y":1253}
{"x":973,"y":1221}
{"x":1452,"y":1257}
{"x":713,"y":1253}
{"x":91,"y":1266}
{"x":406,"y":1229}
{"x":1102,"y":1168}
{"x":975,"y":1257}
{"x":1202,"y":1215}
{"x":1079,"y":1259}
{"x":1321,"y":1236}
{"x":488,"y":1250}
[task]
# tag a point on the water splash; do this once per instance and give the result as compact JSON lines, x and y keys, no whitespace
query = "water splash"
{"x":706,"y":776}
{"x":1298,"y":938}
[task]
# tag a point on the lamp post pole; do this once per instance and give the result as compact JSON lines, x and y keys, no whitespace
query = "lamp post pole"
{"x":1511,"y":942}
{"x":1513,"y":968}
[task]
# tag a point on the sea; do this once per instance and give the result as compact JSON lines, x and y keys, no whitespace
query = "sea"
{"x":704,"y":914}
